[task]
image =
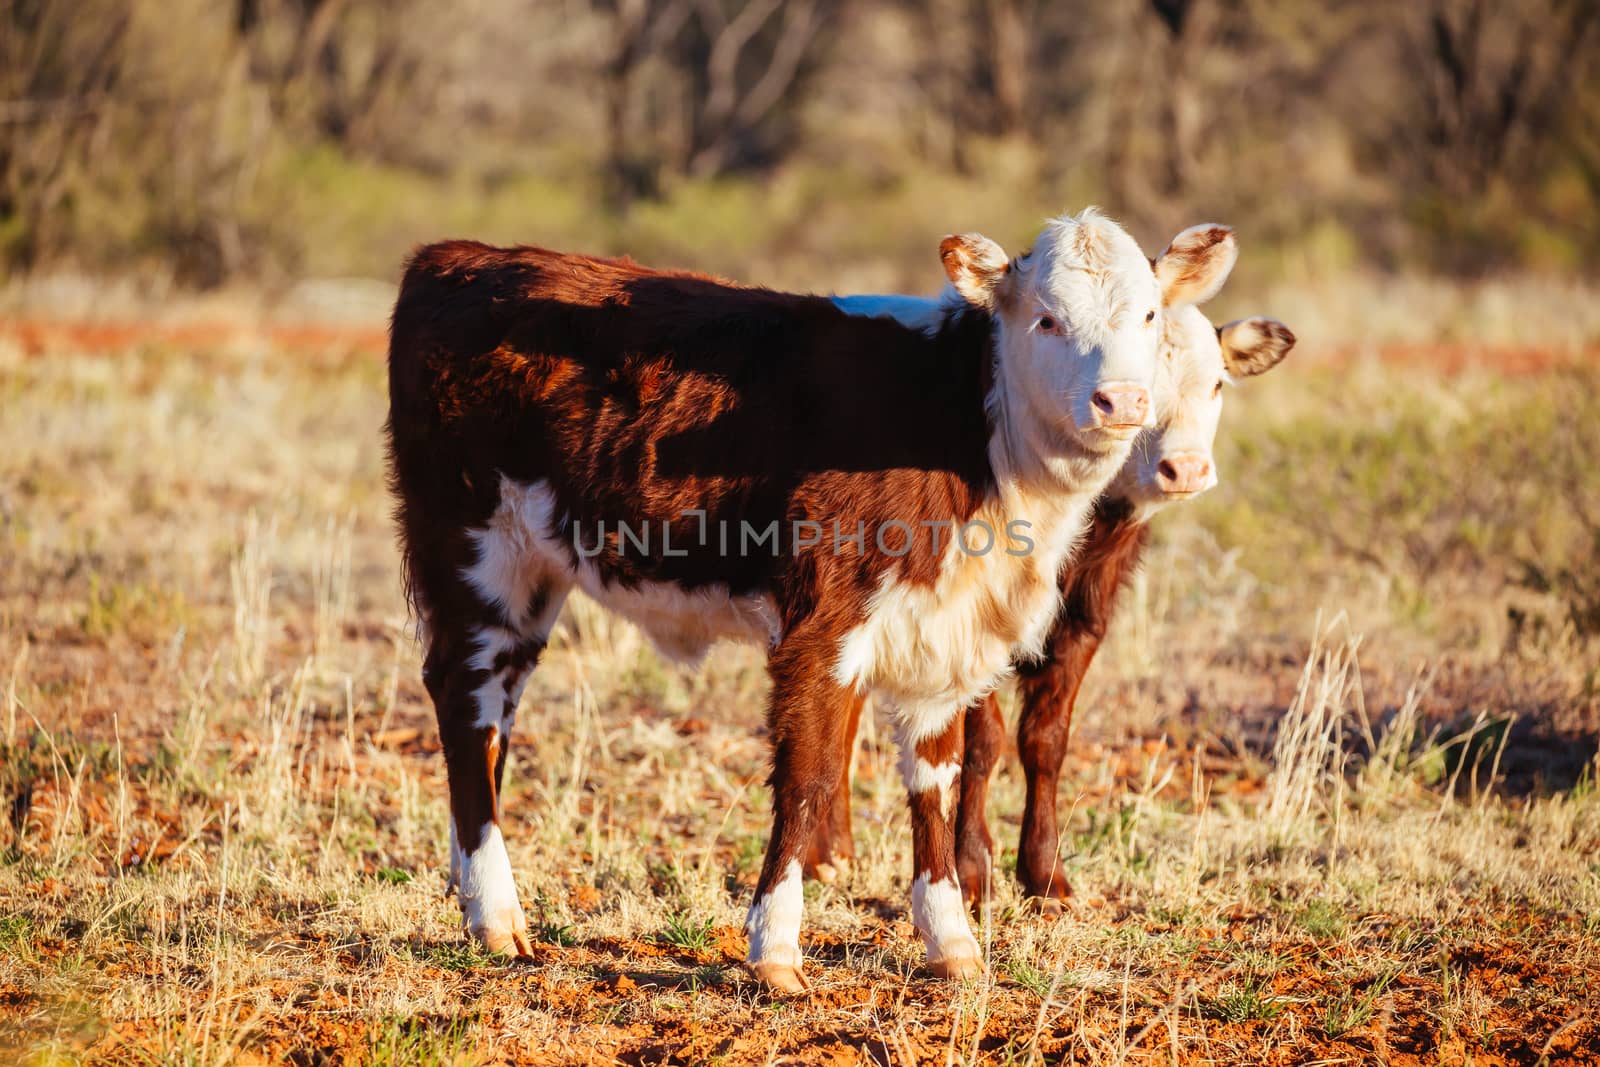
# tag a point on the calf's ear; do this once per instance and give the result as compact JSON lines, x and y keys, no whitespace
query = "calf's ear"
{"x":1195,"y":264}
{"x":1253,"y":346}
{"x":977,"y":267}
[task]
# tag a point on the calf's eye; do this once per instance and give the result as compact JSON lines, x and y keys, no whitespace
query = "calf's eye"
{"x":1150,"y":316}
{"x":1047,"y":324}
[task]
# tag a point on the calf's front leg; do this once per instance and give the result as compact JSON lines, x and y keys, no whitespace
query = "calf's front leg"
{"x":930,"y":763}
{"x":808,"y":716}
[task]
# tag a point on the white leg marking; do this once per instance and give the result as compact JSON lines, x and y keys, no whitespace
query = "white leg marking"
{"x":921,"y":776}
{"x":774,"y":921}
{"x":500,"y":574}
{"x":916,"y":722}
{"x":491,"y":701}
{"x":489,"y":642}
{"x":509,"y":719}
{"x":855,"y":657}
{"x":940,"y":916}
{"x":505,"y":686}
{"x":489,"y":904}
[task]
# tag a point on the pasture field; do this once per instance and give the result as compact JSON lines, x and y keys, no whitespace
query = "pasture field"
{"x":1331,"y":798}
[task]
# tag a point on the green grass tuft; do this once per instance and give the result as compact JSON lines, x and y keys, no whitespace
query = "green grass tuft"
{"x":686,"y":932}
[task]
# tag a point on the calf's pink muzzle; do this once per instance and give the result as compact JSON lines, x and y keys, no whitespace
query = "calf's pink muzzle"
{"x":1184,"y":473}
{"x":1120,"y":406}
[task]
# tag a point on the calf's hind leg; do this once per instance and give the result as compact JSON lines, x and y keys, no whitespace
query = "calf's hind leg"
{"x":985,"y":736}
{"x":479,"y":656}
{"x":832,"y":850}
{"x":1048,"y":690}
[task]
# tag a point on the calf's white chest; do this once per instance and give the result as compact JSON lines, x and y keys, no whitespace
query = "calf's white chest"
{"x":929,"y":650}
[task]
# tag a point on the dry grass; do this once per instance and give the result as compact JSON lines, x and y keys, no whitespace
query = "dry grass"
{"x":1292,"y":842}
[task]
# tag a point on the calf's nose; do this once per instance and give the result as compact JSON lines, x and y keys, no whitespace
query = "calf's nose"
{"x":1184,"y":473}
{"x":1120,"y":406}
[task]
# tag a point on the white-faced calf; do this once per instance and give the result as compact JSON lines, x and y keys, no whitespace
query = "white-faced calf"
{"x":887,"y":509}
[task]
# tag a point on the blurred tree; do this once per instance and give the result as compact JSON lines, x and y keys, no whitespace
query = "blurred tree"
{"x":732,"y":67}
{"x":60,"y":71}
{"x":639,"y":29}
{"x":1196,"y":89}
{"x":1491,"y":82}
{"x":745,"y":59}
{"x":976,"y":69}
{"x":1456,"y":134}
{"x":350,"y":70}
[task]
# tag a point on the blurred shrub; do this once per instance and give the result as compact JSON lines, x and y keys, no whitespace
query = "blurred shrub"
{"x":1427,"y":483}
{"x":207,"y":140}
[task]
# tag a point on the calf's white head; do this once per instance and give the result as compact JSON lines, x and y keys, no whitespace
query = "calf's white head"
{"x":1078,"y":321}
{"x":1173,"y":460}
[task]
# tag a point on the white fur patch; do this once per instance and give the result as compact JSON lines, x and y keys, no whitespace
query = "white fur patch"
{"x":774,"y":920}
{"x":940,"y":916}
{"x":930,"y":650}
{"x":502,"y":575}
{"x":490,"y":697}
{"x":526,"y":546}
{"x":921,"y":776}
{"x":916,"y":723}
{"x":491,"y":700}
{"x":504,"y":687}
{"x":488,"y":892}
{"x":489,"y":642}
{"x":916,"y":312}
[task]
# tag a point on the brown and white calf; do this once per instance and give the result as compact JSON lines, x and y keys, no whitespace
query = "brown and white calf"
{"x":1171,"y":461}
{"x":885,"y":508}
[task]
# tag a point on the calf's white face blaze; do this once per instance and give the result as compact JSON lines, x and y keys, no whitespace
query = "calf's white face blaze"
{"x":1076,"y":337}
{"x":1174,"y":460}
{"x":1079,"y":319}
